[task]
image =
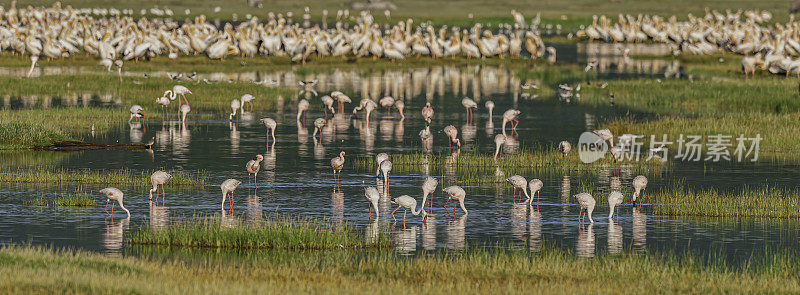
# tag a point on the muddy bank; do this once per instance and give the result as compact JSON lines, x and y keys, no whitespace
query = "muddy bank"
{"x":80,"y":146}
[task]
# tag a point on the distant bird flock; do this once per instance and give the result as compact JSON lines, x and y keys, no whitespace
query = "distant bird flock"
{"x":112,"y":35}
{"x":766,"y":46}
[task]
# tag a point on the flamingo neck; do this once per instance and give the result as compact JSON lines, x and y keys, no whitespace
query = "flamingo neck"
{"x":461,"y":203}
{"x":224,"y":194}
{"x":123,"y":208}
{"x":610,"y":213}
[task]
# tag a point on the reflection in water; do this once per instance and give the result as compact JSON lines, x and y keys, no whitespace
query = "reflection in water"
{"x":455,"y":230}
{"x":112,"y":237}
{"x":535,"y":230}
{"x":337,"y":207}
{"x":372,"y":231}
{"x":429,"y":233}
{"x":235,"y":138}
{"x":159,"y":216}
{"x":406,"y":240}
{"x":614,"y":238}
{"x":136,"y":132}
{"x":254,"y":210}
{"x":227,"y":220}
{"x":519,"y":217}
{"x":399,"y":131}
{"x":585,"y":245}
{"x":639,"y":230}
{"x":181,"y":137}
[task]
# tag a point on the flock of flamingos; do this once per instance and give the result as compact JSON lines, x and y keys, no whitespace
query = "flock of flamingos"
{"x":382,"y":160}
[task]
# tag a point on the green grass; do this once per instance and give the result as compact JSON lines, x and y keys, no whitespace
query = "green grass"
{"x":74,"y":199}
{"x":78,"y":199}
{"x":273,"y":233}
{"x":24,"y":135}
{"x":30,"y":269}
{"x":121,"y":177}
{"x":765,"y":202}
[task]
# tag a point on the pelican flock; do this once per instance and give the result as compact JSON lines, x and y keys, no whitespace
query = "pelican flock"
{"x":113,"y":35}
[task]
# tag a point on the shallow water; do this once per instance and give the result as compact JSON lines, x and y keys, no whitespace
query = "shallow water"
{"x":296,"y":178}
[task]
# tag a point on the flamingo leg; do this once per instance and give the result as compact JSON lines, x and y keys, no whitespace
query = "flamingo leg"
{"x":255,"y":179}
{"x":370,"y":211}
{"x":106,"y":208}
{"x":267,"y":137}
{"x":112,"y":208}
{"x":395,"y":210}
{"x":445,"y":205}
{"x":404,"y":217}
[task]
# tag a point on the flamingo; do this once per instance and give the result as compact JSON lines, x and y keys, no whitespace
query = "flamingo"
{"x":328,"y":102}
{"x":271,"y":125}
{"x":499,"y":141}
{"x":337,"y":164}
{"x":386,"y":167}
{"x":252,"y":168}
{"x":407,"y":202}
{"x":247,"y":99}
{"x":427,"y":113}
{"x":379,"y":158}
{"x":456,"y":193}
{"x":469,"y":104}
{"x":452,"y":135}
{"x":118,"y":63}
{"x":185,"y":109}
{"x":586,"y":201}
{"x":510,"y":116}
{"x":164,"y":102}
{"x":182,"y":91}
{"x":235,"y":105}
{"x":400,"y":105}
{"x":535,"y":186}
{"x":341,"y":98}
{"x":373,"y":196}
{"x":228,"y":186}
{"x":387,"y":102}
{"x":319,"y":123}
{"x":518,"y":182}
{"x":137,"y":112}
{"x":605,"y":135}
{"x":113,"y":194}
{"x":428,"y":188}
{"x":564,"y":147}
{"x":639,"y":185}
{"x":614,"y":199}
{"x":159,"y":178}
{"x":302,"y":107}
{"x":490,"y":106}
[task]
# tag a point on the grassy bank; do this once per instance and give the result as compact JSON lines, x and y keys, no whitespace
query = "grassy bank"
{"x":36,"y":269}
{"x":122,"y":177}
{"x":273,"y":233}
{"x":767,"y":202}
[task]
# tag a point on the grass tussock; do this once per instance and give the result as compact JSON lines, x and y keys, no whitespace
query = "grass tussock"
{"x":27,"y":269}
{"x":274,"y":233}
{"x":766,"y":202}
{"x":17,"y":135}
{"x":122,"y":177}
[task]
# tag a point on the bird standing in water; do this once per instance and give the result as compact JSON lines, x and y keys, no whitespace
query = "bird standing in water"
{"x":252,"y":167}
{"x":639,"y":185}
{"x":456,"y":193}
{"x":337,"y":164}
{"x":228,"y":186}
{"x":510,"y":116}
{"x":114,"y":194}
{"x":452,"y":135}
{"x":586,"y":201}
{"x":271,"y":125}
{"x":373,"y":196}
{"x":159,"y":178}
{"x":407,"y":202}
